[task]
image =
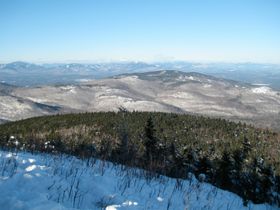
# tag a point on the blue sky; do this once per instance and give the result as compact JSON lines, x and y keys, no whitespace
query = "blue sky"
{"x":146,"y":30}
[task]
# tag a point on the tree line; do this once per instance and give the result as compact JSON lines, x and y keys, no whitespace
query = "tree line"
{"x":233,"y":156}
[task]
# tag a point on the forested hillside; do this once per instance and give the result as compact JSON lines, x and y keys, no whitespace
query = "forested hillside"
{"x":232,"y":156}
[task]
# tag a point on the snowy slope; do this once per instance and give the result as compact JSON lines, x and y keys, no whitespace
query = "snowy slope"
{"x":45,"y":182}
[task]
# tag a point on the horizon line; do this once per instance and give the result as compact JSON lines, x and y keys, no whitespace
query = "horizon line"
{"x":99,"y":61}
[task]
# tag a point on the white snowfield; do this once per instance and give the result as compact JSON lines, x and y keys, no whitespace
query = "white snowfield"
{"x":48,"y":182}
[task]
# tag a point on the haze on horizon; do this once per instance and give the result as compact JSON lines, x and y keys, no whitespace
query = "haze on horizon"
{"x":123,"y":30}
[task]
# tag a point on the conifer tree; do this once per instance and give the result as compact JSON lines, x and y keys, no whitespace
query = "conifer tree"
{"x":150,"y":140}
{"x":225,"y":167}
{"x":246,"y":147}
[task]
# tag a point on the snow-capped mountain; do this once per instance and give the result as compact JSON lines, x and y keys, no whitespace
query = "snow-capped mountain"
{"x":28,"y":74}
{"x":165,"y":91}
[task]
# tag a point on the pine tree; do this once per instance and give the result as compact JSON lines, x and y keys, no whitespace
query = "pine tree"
{"x":205,"y":166}
{"x":177,"y":167}
{"x":238,"y":164}
{"x":267,"y":181}
{"x":246,"y":147}
{"x":225,"y":170}
{"x":150,"y":141}
{"x":122,"y":150}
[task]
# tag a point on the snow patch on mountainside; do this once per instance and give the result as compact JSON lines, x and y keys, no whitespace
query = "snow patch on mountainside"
{"x":187,"y":78}
{"x":68,"y":88}
{"x":262,"y":90}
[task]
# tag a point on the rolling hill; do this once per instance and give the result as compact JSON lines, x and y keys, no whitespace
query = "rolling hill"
{"x":164,"y":91}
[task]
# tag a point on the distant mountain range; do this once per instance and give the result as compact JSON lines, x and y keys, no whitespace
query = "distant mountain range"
{"x":164,"y":91}
{"x":27,"y":74}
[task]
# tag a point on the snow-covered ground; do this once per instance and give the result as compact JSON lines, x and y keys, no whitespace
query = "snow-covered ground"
{"x":48,"y":182}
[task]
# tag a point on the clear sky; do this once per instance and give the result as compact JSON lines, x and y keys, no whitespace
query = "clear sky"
{"x":147,"y":30}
